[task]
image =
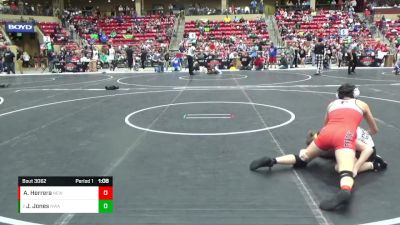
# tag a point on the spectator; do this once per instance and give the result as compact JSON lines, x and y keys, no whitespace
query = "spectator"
{"x":129,"y":57}
{"x":166,"y":60}
{"x":113,"y":33}
{"x":1,"y":64}
{"x":143,"y":57}
{"x":259,"y":63}
{"x":95,"y":58}
{"x":302,"y":55}
{"x":19,"y":64}
{"x":261,"y":8}
{"x":227,"y":19}
{"x":20,"y":7}
{"x":283,"y":62}
{"x":253,"y":6}
{"x":9,"y":61}
{"x":272,"y":55}
{"x":339,"y":57}
{"x":245,"y":61}
{"x":111,"y":58}
{"x":25,"y":58}
{"x":177,"y":64}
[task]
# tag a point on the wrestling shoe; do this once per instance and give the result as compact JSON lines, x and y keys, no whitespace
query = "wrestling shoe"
{"x":112,"y":87}
{"x":340,"y":198}
{"x":379,"y":163}
{"x":262,"y":162}
{"x":4,"y":85}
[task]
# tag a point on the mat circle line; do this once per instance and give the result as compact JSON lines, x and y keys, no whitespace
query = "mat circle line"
{"x":308,"y":77}
{"x":164,"y":91}
{"x":207,"y":79}
{"x":292,"y":117}
{"x":33,"y":82}
{"x":108,"y":77}
{"x":356,"y":78}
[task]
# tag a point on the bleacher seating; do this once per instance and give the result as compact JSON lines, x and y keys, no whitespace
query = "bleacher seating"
{"x":50,"y":29}
{"x":325,"y":24}
{"x":391,"y":29}
{"x":219,"y":30}
{"x":142,"y":29}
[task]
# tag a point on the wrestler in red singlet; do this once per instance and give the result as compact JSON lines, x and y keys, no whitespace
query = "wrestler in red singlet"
{"x":340,"y":130}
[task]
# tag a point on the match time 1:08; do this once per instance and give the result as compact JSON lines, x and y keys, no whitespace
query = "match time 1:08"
{"x":103,"y":180}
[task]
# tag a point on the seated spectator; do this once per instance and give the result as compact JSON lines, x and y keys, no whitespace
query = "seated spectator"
{"x":259,"y":63}
{"x":227,"y":19}
{"x":177,"y":64}
{"x":245,"y":61}
{"x":113,"y":33}
{"x":103,"y":38}
{"x":283,"y":62}
{"x":236,"y":64}
{"x":103,"y":60}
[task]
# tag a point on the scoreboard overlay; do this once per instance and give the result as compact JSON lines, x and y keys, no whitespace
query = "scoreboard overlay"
{"x":65,"y":194}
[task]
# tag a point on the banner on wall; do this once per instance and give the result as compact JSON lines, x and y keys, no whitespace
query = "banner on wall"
{"x":192,"y":36}
{"x":344,"y":32}
{"x":46,"y":39}
{"x":20,"y":27}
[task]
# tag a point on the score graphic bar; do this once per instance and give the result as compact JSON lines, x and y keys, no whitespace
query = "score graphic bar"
{"x":65,"y":194}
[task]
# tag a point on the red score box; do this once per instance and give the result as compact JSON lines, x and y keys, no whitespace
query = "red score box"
{"x":105,"y":193}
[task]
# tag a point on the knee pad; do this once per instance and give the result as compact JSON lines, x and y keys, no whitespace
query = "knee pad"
{"x":299,"y":162}
{"x":303,"y":155}
{"x":346,"y":173}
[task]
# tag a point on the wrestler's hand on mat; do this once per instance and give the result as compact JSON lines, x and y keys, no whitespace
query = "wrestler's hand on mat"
{"x":355,"y":171}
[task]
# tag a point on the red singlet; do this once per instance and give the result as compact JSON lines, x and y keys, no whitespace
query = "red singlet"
{"x":344,"y":116}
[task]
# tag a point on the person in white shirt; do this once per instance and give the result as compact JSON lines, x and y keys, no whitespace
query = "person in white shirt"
{"x":111,"y":57}
{"x":25,"y":59}
{"x":95,"y":58}
{"x":190,"y":57}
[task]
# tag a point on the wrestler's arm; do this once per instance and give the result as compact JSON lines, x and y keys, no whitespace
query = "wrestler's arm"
{"x":326,"y":114}
{"x":373,"y":127}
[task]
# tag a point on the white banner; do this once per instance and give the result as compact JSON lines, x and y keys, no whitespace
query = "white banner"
{"x":344,"y":32}
{"x":192,"y":36}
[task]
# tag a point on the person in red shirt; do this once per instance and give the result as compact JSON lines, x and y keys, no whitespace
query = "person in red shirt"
{"x":259,"y":62}
{"x":384,"y":48}
{"x":339,"y":134}
{"x":378,"y":46}
{"x":212,"y":46}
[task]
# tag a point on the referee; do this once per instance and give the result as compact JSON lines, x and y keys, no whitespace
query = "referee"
{"x":319,"y":55}
{"x":353,"y":60}
{"x":190,"y":56}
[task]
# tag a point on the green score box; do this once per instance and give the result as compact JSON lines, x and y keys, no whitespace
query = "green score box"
{"x":105,"y":206}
